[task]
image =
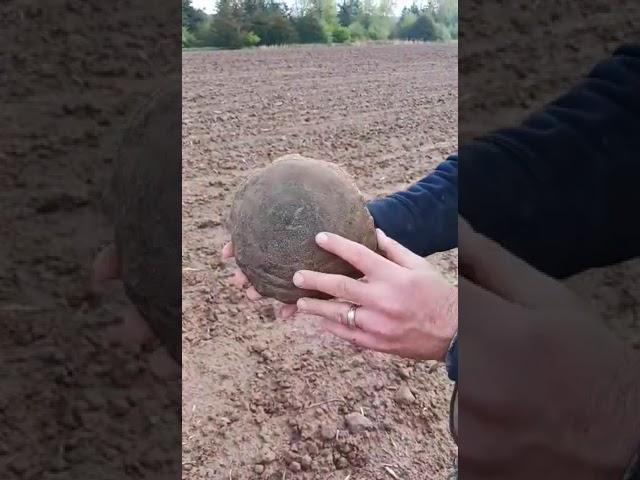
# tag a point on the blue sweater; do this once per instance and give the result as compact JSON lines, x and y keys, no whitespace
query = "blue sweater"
{"x":557,"y":190}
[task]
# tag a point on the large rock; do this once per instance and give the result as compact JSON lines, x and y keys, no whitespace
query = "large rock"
{"x":145,"y":205}
{"x":277,"y":213}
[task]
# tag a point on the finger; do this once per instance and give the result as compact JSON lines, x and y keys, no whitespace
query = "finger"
{"x":338,"y":286}
{"x":338,"y":312}
{"x":239,"y":279}
{"x":334,"y":311}
{"x":397,"y":253}
{"x":227,"y":251}
{"x":106,"y":266}
{"x":355,"y":336}
{"x":133,"y":329}
{"x":252,"y":294}
{"x":494,"y":268}
{"x":287,"y":311}
{"x":362,"y":258}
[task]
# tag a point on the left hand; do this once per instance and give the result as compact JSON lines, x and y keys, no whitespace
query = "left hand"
{"x":240,"y":280}
{"x":406,"y":307}
{"x":134,"y":329}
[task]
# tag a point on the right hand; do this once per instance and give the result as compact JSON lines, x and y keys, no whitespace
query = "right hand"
{"x":240,"y":280}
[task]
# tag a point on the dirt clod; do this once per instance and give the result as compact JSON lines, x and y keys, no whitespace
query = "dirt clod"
{"x":266,"y":456}
{"x":305,"y":461}
{"x":404,"y":396}
{"x":341,"y":463}
{"x":356,"y":422}
{"x":327,"y":432}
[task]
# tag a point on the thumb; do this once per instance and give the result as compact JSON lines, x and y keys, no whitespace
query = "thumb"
{"x":397,"y":253}
{"x":105,"y":267}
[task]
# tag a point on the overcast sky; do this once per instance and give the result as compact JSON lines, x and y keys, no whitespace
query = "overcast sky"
{"x":208,"y":5}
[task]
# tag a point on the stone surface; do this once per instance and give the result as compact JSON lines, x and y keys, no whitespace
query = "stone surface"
{"x":404,"y":396}
{"x":277,"y":213}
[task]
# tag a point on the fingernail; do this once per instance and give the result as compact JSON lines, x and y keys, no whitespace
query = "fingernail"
{"x":321,"y":238}
{"x":297,"y":279}
{"x":302,"y":304}
{"x":381,"y":233}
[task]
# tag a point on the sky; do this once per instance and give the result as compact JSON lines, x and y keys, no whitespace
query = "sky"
{"x":208,"y":5}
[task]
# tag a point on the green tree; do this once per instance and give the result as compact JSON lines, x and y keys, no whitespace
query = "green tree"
{"x":447,"y":15}
{"x":325,"y":11}
{"x":273,"y":28}
{"x":188,"y":40}
{"x":424,"y":28}
{"x":349,"y":11}
{"x":405,"y":23}
{"x":358,"y":32}
{"x":191,"y":16}
{"x":380,"y":27}
{"x":310,"y":29}
{"x":341,"y":34}
{"x":251,"y":39}
{"x":384,"y":8}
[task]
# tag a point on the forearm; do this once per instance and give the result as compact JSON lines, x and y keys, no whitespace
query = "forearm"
{"x":558,"y":190}
{"x":423,"y":218}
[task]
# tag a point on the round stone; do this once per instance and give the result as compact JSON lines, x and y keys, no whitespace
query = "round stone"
{"x":145,"y":206}
{"x":277,"y":213}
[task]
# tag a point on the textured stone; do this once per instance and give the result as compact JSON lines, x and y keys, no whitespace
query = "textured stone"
{"x":277,"y":213}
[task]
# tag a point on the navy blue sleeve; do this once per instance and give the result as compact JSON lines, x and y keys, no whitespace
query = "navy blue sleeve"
{"x":423,"y":218}
{"x":562,"y":190}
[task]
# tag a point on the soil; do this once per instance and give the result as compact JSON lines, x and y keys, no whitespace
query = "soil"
{"x":75,"y":401}
{"x":267,"y":398}
{"x":264,"y":398}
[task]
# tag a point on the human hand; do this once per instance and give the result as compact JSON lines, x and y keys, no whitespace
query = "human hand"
{"x":240,"y":280}
{"x":406,"y":307}
{"x":134,"y":328}
{"x":548,"y":391}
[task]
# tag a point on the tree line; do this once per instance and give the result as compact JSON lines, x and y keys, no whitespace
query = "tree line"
{"x":247,"y":23}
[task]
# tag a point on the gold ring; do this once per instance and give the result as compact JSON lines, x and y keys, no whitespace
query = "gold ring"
{"x":351,"y":316}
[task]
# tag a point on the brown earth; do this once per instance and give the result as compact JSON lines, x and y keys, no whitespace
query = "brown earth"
{"x":262,"y":397}
{"x":75,"y":403}
{"x":387,"y":114}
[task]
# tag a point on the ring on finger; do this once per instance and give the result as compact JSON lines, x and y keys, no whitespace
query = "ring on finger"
{"x":351,"y":316}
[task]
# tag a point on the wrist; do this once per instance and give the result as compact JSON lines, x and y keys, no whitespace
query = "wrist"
{"x":451,"y":359}
{"x":449,"y":333}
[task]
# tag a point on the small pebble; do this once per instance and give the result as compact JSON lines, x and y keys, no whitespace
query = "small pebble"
{"x":327,"y":432}
{"x":305,"y":461}
{"x":312,"y":449}
{"x":404,"y":396}
{"x":267,"y":456}
{"x":356,"y":422}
